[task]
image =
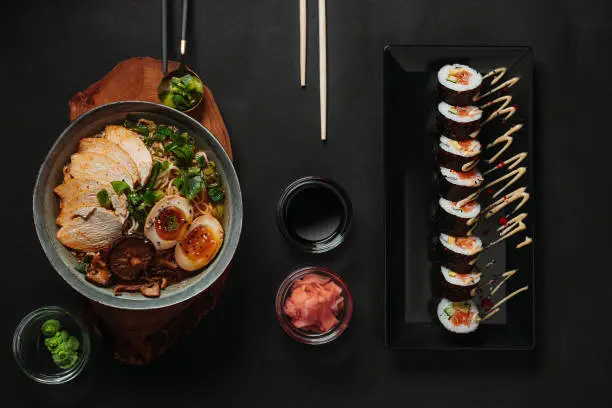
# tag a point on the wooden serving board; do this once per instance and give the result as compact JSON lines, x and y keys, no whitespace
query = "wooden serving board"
{"x":139,"y":337}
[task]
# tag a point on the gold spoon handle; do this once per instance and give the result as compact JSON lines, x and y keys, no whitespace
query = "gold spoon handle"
{"x":184,"y":32}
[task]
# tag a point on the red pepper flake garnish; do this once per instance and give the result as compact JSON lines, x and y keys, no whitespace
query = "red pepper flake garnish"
{"x":500,"y":165}
{"x":502,"y":221}
{"x":486,"y":303}
{"x":490,"y":191}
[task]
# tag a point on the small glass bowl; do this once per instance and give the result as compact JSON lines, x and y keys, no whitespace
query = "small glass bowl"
{"x":31,"y":353}
{"x":304,"y":336}
{"x":335,"y":238}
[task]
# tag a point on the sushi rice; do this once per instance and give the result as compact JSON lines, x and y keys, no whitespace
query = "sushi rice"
{"x":474,"y":80}
{"x":470,"y":210}
{"x":445,"y":109}
{"x":459,"y":279}
{"x":471,"y":179}
{"x":445,"y":304}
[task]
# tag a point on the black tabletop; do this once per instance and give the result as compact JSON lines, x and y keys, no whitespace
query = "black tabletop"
{"x":247,"y":52}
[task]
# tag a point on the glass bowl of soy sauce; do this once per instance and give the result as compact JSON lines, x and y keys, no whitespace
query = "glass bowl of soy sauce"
{"x":314,"y":213}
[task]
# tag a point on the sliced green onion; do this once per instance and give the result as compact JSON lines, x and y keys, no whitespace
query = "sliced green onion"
{"x":216,"y":194}
{"x":120,"y":186}
{"x":150,"y":197}
{"x":103,"y":198}
{"x":172,"y":223}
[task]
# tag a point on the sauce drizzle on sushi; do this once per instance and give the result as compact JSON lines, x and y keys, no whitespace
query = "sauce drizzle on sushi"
{"x":525,"y":242}
{"x":520,"y":193}
{"x":512,"y":227}
{"x":507,"y":138}
{"x":503,"y":109}
{"x":458,"y":159}
{"x":497,"y":73}
{"x":516,"y":174}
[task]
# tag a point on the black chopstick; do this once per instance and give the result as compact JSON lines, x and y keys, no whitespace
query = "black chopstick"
{"x":165,"y":36}
{"x":184,"y":31}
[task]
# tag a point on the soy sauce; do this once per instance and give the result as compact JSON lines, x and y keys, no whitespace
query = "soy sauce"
{"x":314,"y":213}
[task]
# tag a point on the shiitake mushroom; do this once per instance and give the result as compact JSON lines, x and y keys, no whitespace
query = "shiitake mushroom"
{"x":99,"y":276}
{"x":148,"y":289}
{"x":130,"y":257}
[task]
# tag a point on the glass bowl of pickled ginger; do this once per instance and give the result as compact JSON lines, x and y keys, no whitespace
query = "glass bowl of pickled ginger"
{"x":314,"y":305}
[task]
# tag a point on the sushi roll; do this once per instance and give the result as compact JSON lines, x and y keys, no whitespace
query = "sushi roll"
{"x":454,"y":220}
{"x":458,"y":286}
{"x":459,"y":84}
{"x":459,"y":122}
{"x":458,"y":317}
{"x":459,"y":156}
{"x":456,"y":185}
{"x":459,"y":254}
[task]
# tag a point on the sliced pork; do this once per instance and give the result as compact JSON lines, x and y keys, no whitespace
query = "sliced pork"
{"x":78,"y":193}
{"x":131,"y":143}
{"x":111,"y":150}
{"x":92,"y":229}
{"x":98,"y":167}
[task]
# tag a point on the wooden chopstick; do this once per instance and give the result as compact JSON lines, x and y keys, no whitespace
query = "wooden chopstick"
{"x":303,"y":32}
{"x":323,"y":67}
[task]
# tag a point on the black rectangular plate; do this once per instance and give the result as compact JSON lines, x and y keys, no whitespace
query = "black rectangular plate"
{"x":410,"y":103}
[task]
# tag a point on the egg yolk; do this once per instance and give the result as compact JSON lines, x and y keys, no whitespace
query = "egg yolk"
{"x":170,"y":223}
{"x":200,"y":243}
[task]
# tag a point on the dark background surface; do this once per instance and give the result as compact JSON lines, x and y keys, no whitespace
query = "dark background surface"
{"x":247,"y":52}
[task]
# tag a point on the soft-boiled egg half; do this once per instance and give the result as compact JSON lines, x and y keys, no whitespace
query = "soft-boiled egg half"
{"x":168,"y":221}
{"x":200,"y":244}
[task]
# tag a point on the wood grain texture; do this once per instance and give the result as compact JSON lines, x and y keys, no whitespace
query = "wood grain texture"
{"x":139,"y":337}
{"x":136,"y":79}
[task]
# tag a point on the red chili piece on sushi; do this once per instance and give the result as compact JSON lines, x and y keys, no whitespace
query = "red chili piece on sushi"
{"x":314,"y":304}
